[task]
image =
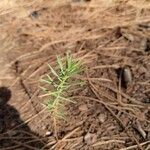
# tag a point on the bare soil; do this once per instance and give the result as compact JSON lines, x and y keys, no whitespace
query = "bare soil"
{"x":112,"y":110}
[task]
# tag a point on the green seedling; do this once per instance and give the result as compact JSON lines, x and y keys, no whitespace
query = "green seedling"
{"x":61,"y":83}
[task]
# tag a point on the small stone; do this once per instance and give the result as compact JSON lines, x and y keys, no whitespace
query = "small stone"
{"x":90,"y":138}
{"x":48,"y":133}
{"x":127,"y":75}
{"x":34,"y":14}
{"x":83,"y":107}
{"x":102,"y":118}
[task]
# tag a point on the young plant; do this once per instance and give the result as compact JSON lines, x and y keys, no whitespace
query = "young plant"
{"x":61,"y":83}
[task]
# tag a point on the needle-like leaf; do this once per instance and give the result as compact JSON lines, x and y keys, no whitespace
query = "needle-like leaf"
{"x":60,"y":64}
{"x":58,"y":98}
{"x":53,"y":71}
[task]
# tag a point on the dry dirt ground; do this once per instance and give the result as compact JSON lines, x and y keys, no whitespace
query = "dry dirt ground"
{"x":112,"y":109}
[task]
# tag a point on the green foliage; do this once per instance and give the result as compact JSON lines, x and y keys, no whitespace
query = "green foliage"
{"x":61,"y":83}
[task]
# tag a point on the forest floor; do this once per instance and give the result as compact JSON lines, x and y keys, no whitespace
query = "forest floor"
{"x":112,"y":109}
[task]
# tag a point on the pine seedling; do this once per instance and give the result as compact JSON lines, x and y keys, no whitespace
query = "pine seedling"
{"x":61,"y":83}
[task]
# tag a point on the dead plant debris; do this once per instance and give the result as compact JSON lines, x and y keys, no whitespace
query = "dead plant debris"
{"x":111,"y":38}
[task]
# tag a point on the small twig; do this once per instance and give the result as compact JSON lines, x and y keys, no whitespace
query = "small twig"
{"x":94,"y":79}
{"x":140,"y":130}
{"x":11,"y":147}
{"x":106,"y":66}
{"x":25,"y":88}
{"x":135,"y":146}
{"x":70,"y":134}
{"x":49,"y":144}
{"x":107,"y":142}
{"x":83,"y":43}
{"x":55,"y":128}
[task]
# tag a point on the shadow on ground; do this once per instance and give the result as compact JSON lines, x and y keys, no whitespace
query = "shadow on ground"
{"x":14,"y":133}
